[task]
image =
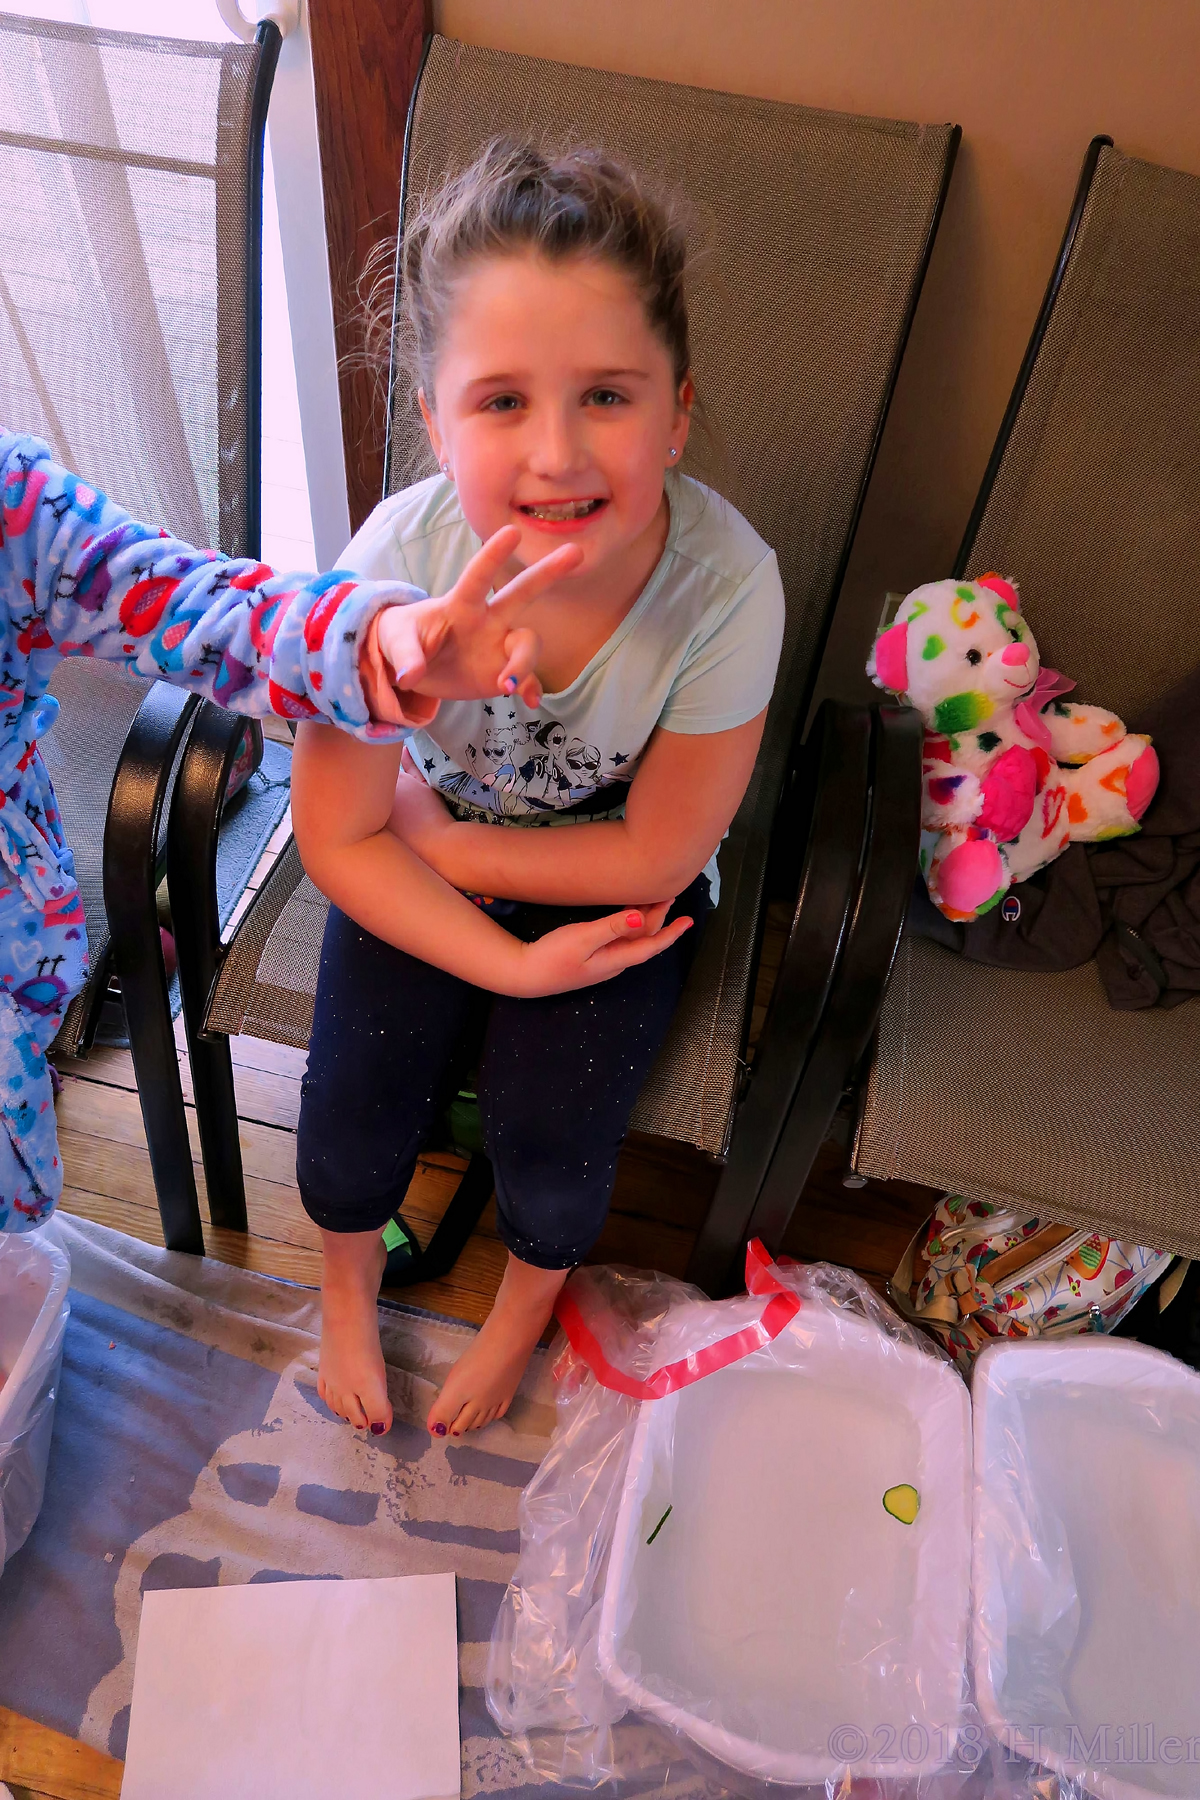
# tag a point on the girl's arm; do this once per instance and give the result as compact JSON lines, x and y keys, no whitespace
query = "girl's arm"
{"x":342,"y":794}
{"x":681,"y":801}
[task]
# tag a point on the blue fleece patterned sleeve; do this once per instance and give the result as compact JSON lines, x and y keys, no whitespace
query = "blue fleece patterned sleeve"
{"x":79,"y":577}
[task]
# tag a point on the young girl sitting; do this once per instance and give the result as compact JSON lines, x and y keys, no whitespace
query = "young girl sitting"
{"x":546,"y":305}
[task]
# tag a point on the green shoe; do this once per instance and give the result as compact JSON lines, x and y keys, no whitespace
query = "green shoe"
{"x":402,"y":1248}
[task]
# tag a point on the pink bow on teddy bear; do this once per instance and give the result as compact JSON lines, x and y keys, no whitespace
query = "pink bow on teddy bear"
{"x":1012,"y":772}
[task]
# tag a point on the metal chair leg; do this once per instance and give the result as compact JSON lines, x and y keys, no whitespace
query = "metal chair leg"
{"x":834,"y":779}
{"x":856,"y":999}
{"x":130,"y":879}
{"x":192,"y":882}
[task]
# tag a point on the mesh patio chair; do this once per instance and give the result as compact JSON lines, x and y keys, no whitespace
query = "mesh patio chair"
{"x":1029,"y":1089}
{"x":130,"y":339}
{"x":816,"y":229}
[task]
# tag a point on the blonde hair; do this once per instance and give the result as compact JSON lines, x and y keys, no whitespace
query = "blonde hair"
{"x":518,"y":196}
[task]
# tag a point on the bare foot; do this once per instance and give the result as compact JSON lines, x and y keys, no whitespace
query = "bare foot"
{"x":480,"y":1386}
{"x":352,"y":1380}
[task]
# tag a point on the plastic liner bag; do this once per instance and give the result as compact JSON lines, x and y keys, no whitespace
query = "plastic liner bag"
{"x":34,"y":1277}
{"x":748,"y":1547}
{"x":1086,"y":1590}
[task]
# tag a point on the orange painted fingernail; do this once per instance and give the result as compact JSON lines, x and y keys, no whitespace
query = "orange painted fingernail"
{"x":633,"y":920}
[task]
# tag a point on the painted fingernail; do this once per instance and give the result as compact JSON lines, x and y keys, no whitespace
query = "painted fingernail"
{"x":439,"y":1429}
{"x":510,"y":684}
{"x":633,"y":920}
{"x":378,"y":1430}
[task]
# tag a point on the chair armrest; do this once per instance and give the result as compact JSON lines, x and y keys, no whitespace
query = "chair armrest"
{"x":858,"y":988}
{"x":131,"y":836}
{"x":192,"y":835}
{"x":825,"y":813}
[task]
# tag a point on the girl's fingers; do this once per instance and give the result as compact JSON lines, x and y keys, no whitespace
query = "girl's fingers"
{"x":516,"y":594}
{"x":627,"y":952}
{"x":522,"y":649}
{"x":478,"y":578}
{"x":530,"y":691}
{"x":630,"y":928}
{"x":653,"y":916}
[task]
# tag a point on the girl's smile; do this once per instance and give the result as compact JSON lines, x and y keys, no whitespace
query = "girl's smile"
{"x":559,"y":515}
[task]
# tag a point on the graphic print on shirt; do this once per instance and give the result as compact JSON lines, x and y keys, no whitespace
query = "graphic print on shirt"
{"x":530,"y":766}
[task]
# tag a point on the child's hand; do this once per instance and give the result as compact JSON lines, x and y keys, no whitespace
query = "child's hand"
{"x":462,"y":645}
{"x":419,"y":814}
{"x":577,"y":956}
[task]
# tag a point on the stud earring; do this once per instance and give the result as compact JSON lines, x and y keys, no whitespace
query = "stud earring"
{"x":446,"y":470}
{"x":673,"y":452}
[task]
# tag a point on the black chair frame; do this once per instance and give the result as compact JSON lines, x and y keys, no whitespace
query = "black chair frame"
{"x":134,"y":862}
{"x":842,"y":1044}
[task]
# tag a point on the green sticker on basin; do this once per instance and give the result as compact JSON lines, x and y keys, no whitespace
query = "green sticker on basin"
{"x":903,"y":1502}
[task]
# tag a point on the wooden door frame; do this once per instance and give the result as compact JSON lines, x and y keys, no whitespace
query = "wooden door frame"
{"x":366,"y":54}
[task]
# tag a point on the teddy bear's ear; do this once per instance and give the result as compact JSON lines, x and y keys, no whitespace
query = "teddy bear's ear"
{"x":1007,"y":590}
{"x":888,"y":666}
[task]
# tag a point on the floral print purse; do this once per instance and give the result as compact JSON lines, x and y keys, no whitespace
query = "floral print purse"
{"x":978,"y":1271}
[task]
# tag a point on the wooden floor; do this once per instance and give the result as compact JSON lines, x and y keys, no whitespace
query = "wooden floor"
{"x":37,"y":1764}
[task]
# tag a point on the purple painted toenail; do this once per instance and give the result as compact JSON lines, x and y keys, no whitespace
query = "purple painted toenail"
{"x":439,"y":1429}
{"x":378,"y":1430}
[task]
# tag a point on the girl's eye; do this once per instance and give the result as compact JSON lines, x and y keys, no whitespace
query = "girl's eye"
{"x":973,"y":656}
{"x":502,"y":403}
{"x":606,"y":397}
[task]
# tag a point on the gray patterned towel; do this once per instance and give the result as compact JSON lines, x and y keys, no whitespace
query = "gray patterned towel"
{"x":190,"y":1449}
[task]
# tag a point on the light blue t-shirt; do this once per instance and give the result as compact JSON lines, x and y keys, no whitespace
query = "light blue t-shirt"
{"x":696,"y":653}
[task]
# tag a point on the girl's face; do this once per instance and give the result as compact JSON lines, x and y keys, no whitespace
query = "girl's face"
{"x":556,"y":407}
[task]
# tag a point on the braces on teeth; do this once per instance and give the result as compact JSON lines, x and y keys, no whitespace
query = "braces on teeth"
{"x":569,"y":509}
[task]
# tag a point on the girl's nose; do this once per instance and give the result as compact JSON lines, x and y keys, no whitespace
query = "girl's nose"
{"x":1015,"y":653}
{"x":557,"y":451}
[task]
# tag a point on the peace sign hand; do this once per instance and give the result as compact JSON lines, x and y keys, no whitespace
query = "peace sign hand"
{"x":464,"y":645}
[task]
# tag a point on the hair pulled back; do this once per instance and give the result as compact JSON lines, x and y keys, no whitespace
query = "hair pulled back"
{"x":559,"y":204}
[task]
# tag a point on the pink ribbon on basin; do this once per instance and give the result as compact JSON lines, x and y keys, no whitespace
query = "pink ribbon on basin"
{"x":1028,"y":714}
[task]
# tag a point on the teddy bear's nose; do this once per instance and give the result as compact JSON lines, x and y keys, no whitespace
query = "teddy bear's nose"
{"x":1015,"y":653}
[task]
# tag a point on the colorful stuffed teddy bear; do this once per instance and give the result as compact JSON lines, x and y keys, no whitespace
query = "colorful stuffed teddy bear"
{"x":1012,"y":773}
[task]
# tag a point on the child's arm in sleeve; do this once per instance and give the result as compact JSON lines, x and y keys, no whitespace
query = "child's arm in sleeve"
{"x":81,"y":578}
{"x":78,"y":576}
{"x":341,"y":801}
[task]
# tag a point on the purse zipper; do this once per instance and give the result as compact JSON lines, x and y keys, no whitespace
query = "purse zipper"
{"x":1039,"y":1265}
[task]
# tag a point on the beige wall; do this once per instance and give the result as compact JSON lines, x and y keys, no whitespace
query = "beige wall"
{"x":1029,"y":81}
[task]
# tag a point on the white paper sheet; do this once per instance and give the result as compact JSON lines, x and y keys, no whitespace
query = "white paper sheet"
{"x":297,"y":1690}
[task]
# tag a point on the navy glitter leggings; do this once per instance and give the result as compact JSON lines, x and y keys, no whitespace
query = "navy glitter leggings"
{"x":558,"y":1078}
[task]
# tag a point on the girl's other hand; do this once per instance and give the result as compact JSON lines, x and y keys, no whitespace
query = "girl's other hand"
{"x":419,"y":814}
{"x":577,"y":956}
{"x":465,"y":645}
